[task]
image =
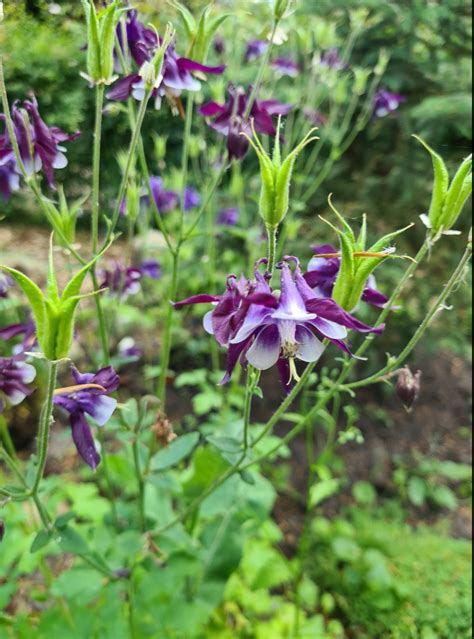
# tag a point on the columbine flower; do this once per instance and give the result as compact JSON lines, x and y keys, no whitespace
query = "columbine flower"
{"x":5,"y":285}
{"x":15,"y":374}
{"x":386,"y":103}
{"x":89,"y":397}
{"x":124,"y":281}
{"x":165,"y":201}
{"x":331,"y":59}
{"x":323,"y":272}
{"x":128,"y":349}
{"x":229,"y":119}
{"x":192,"y":199}
{"x":264,"y":329}
{"x":28,"y":330}
{"x":9,"y":180}
{"x":255,"y":49}
{"x":46,"y":152}
{"x":286,"y":67}
{"x":228,"y":217}
{"x":177,"y":72}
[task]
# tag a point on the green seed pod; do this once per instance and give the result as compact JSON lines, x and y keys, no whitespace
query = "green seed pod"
{"x":458,"y":194}
{"x":100,"y":41}
{"x":281,"y":7}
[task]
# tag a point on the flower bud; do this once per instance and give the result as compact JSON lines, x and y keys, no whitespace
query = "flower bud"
{"x":101,"y":29}
{"x":281,"y":7}
{"x":408,"y":387}
{"x":276,"y":177}
{"x":152,"y":71}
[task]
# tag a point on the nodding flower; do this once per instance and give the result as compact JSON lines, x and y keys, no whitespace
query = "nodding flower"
{"x":386,"y":103}
{"x":177,"y":73}
{"x":231,"y":119}
{"x":89,"y":396}
{"x":15,"y":375}
{"x":9,"y":182}
{"x":323,"y":272}
{"x":265,"y":327}
{"x":40,"y":146}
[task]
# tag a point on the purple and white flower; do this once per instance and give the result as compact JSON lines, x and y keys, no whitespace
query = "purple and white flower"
{"x":46,"y":153}
{"x":286,"y":67}
{"x":5,"y":285}
{"x":192,"y":199}
{"x":165,"y":200}
{"x":256,"y":49}
{"x":89,"y":396}
{"x":230,"y":119}
{"x":386,"y":103}
{"x":323,"y":272}
{"x":124,"y":281}
{"x":28,"y":330}
{"x":9,"y":180}
{"x":177,"y":72}
{"x":264,"y":328}
{"x":15,"y":375}
{"x":331,"y":59}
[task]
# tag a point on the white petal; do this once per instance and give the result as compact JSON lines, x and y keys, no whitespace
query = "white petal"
{"x":265,"y":351}
{"x":310,"y":348}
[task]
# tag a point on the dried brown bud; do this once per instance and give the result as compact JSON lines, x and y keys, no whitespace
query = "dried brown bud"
{"x":163,"y":430}
{"x":408,"y":387}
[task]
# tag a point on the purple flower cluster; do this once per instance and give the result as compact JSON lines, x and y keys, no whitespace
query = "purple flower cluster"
{"x":167,"y":200}
{"x":40,"y":147}
{"x":265,"y":328}
{"x":142,"y":44}
{"x":123,"y":281}
{"x":323,"y":272}
{"x":90,"y":396}
{"x":231,"y":119}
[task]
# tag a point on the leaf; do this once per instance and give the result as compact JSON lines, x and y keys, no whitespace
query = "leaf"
{"x":108,"y":25}
{"x":93,"y":40}
{"x":130,"y":414}
{"x":323,"y":490}
{"x":364,"y":493}
{"x":35,"y":298}
{"x":188,"y":19}
{"x":63,"y":520}
{"x":441,"y":185}
{"x":42,"y":539}
{"x":444,"y":497}
{"x":72,"y":542}
{"x":417,"y":490}
{"x":175,"y":452}
{"x":225,"y":444}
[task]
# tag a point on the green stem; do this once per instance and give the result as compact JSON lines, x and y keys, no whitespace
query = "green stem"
{"x":103,"y":332}
{"x":272,"y":233}
{"x":45,"y":427}
{"x":185,"y":158}
{"x":105,"y":470}
{"x":261,"y":72}
{"x":253,"y":378}
{"x":398,"y":361}
{"x":136,"y":137}
{"x":6,"y":438}
{"x":140,"y":482}
{"x":168,"y":330}
{"x":97,"y":148}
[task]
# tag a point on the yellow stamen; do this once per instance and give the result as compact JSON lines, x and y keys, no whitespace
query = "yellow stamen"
{"x":293,"y":371}
{"x":75,"y":389}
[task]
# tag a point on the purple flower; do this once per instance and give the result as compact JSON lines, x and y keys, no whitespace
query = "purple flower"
{"x":265,"y":329}
{"x":229,"y":119}
{"x":228,"y":217}
{"x":323,"y":272}
{"x":5,"y":285}
{"x":255,"y":49}
{"x":15,"y":374}
{"x":151,"y":269}
{"x":89,"y":397}
{"x":192,"y":199}
{"x":28,"y":330}
{"x":9,"y":180}
{"x":47,"y":153}
{"x":121,"y":280}
{"x":386,"y":103}
{"x":128,"y":349}
{"x":316,"y":118}
{"x":165,"y":201}
{"x":177,"y":72}
{"x":219,"y":46}
{"x":331,"y":59}
{"x":286,"y":67}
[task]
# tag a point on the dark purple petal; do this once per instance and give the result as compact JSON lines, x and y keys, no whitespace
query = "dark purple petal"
{"x":197,"y":299}
{"x":386,"y":103}
{"x":122,"y":89}
{"x":233,"y":355}
{"x":9,"y":332}
{"x":83,"y":440}
{"x":273,"y":107}
{"x":184,"y":64}
{"x":328,"y":309}
{"x":192,"y":199}
{"x":15,"y":375}
{"x":285,"y":374}
{"x":228,"y":217}
{"x":374,"y":297}
{"x":212,"y":109}
{"x":151,"y":269}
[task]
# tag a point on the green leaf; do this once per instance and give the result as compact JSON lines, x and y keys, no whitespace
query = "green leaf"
{"x":35,"y":298}
{"x":417,"y":491}
{"x":42,"y":539}
{"x":454,"y":193}
{"x":322,"y":490}
{"x":188,"y":19}
{"x":175,"y":452}
{"x":62,"y":521}
{"x":444,"y":497}
{"x":130,"y":414}
{"x":225,"y":444}
{"x":71,"y":541}
{"x":364,"y":493}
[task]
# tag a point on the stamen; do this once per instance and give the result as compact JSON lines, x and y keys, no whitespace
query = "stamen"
{"x":293,"y":371}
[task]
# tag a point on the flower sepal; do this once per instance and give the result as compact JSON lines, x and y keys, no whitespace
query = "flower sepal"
{"x":200,"y":33}
{"x":101,"y":42}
